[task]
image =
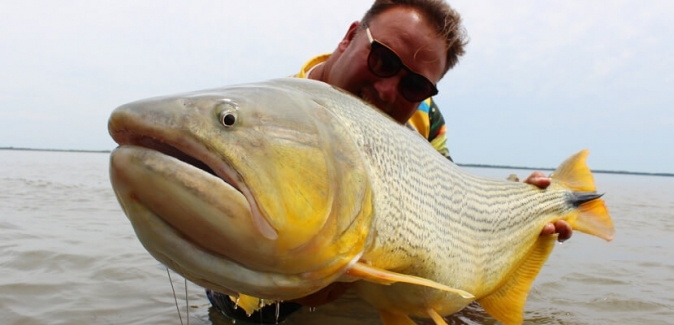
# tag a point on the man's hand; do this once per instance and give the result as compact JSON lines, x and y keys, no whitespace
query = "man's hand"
{"x":560,"y":227}
{"x":539,"y":179}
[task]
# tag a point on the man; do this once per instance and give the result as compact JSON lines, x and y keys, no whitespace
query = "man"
{"x":393,"y":58}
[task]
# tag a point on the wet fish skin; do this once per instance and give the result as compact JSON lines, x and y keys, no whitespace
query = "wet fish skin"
{"x":309,"y":185}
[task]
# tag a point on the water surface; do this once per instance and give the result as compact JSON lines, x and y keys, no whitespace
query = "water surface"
{"x":70,"y":256}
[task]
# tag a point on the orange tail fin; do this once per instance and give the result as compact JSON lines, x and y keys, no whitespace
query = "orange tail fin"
{"x":592,"y":216}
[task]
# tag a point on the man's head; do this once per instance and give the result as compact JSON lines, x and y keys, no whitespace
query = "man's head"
{"x":445,"y":20}
{"x":427,"y":37}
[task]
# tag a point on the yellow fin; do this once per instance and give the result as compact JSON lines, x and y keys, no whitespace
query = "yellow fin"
{"x":592,"y":217}
{"x":506,"y":303}
{"x":435,"y":317}
{"x":248,"y":303}
{"x":381,"y":276}
{"x":574,"y":173}
{"x":392,"y":318}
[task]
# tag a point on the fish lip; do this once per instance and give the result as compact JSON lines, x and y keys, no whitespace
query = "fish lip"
{"x":186,"y":152}
{"x":173,"y":151}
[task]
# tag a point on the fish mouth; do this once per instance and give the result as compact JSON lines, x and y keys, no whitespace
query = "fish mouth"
{"x":162,"y":147}
{"x":195,"y":154}
{"x":204,"y":174}
{"x":175,"y":242}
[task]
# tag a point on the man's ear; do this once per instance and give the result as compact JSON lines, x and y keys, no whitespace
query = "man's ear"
{"x":349,"y":37}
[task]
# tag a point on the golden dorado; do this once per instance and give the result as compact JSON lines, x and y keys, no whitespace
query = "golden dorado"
{"x":277,"y":189}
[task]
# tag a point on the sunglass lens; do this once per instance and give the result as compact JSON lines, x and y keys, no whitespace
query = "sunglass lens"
{"x":382,"y":61}
{"x":416,"y":88}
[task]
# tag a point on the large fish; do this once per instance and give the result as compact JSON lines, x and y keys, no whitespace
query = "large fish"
{"x":278,"y":189}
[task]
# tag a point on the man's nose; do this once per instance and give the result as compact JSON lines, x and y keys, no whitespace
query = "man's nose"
{"x":387,"y":89}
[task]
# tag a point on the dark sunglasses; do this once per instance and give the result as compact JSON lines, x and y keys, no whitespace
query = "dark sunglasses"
{"x":385,"y":63}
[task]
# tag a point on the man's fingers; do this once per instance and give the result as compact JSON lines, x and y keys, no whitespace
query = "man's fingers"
{"x":538,"y":179}
{"x":560,"y":227}
{"x":564,"y":230}
{"x":548,"y":229}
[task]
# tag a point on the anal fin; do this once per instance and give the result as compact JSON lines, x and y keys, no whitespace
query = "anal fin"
{"x":381,"y":276}
{"x":506,"y":303}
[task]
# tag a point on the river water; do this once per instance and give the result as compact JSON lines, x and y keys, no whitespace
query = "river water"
{"x":68,"y":255}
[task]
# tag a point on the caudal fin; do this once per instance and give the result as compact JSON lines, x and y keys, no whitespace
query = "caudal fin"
{"x":592,"y":216}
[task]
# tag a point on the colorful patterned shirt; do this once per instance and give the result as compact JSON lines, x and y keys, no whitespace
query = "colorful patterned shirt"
{"x":427,"y":120}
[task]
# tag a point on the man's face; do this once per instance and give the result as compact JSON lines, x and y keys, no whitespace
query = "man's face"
{"x":404,"y":31}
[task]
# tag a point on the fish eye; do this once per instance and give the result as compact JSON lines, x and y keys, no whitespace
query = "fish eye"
{"x":228,"y":118}
{"x":228,"y":115}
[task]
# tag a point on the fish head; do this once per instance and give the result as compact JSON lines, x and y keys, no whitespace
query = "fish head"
{"x":253,"y":189}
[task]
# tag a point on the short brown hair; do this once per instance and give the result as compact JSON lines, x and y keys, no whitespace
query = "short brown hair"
{"x":447,"y":23}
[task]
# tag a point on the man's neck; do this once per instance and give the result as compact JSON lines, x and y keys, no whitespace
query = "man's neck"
{"x":316,"y":72}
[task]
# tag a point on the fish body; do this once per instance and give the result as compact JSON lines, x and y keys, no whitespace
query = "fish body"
{"x":277,"y":189}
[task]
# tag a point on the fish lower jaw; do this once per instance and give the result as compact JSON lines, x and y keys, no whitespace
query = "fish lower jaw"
{"x":209,"y":270}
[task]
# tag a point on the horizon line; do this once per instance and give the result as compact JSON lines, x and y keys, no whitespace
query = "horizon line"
{"x":599,"y":171}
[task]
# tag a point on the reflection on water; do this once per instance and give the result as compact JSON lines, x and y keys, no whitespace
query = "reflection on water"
{"x":69,"y":256}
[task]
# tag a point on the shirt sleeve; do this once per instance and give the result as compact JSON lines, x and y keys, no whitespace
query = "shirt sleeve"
{"x":437,"y":135}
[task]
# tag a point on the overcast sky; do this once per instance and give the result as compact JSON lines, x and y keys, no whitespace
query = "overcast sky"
{"x":540,"y":79}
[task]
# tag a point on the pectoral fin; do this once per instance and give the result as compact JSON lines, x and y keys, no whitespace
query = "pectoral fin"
{"x":381,"y":276}
{"x":506,"y":303}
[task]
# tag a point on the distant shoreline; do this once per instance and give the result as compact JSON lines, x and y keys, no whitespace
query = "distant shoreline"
{"x":462,"y":165}
{"x":596,"y":171}
{"x":55,"y":150}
